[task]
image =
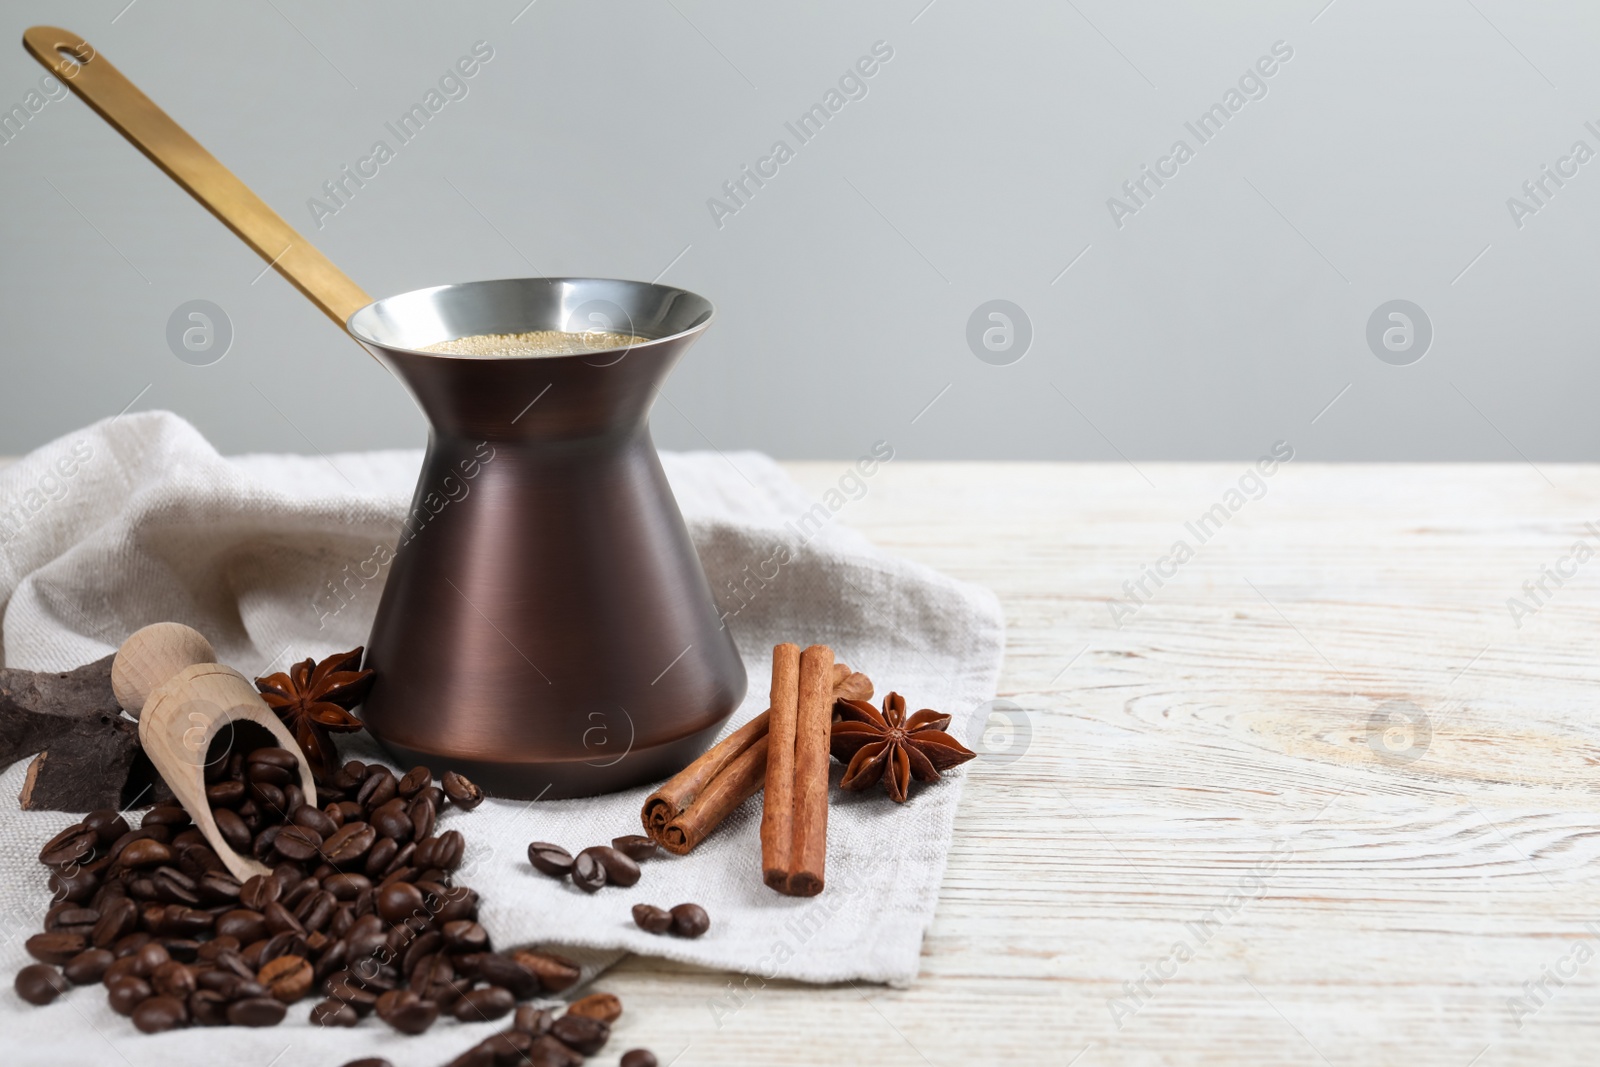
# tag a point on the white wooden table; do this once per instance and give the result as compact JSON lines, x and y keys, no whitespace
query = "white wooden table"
{"x":1210,"y":774}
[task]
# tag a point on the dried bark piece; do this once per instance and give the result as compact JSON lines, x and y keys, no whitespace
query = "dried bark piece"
{"x":86,"y":766}
{"x":38,"y":706}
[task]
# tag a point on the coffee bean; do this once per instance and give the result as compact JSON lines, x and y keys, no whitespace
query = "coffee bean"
{"x":88,"y":966}
{"x":171,"y":815}
{"x":125,"y":994}
{"x":377,"y":790}
{"x":349,"y":843}
{"x":479,"y":1055}
{"x":581,"y":1033}
{"x":603,"y":1006}
{"x":175,"y":887}
{"x":425,"y":944}
{"x":547,"y":1051}
{"x":160,"y":1013}
{"x":620,"y":870}
{"x":146,"y":852}
{"x":335,"y":816}
{"x":635,"y":846}
{"x":75,"y":884}
{"x":219,"y":887}
{"x":460,"y":902}
{"x":381,"y":857}
{"x":38,"y":983}
{"x":182,"y":949}
{"x":258,"y":891}
{"x":207,"y":1007}
{"x":550,"y":859}
{"x":416,"y":779}
{"x":269,"y":796}
{"x":638,"y":1057}
{"x":257,"y":1011}
{"x":447,"y":851}
{"x":183,"y":922}
{"x":501,"y":970}
{"x":121,"y":967}
{"x":173,"y":979}
{"x":287,"y":978}
{"x":390,"y":820}
{"x":406,"y":1012}
{"x":56,"y":947}
{"x":298,"y":843}
{"x":463,"y":793}
{"x":75,"y":844}
{"x":398,"y":900}
{"x":314,"y":819}
{"x":690,"y":920}
{"x":422,"y":811}
{"x":274,"y":756}
{"x":465,"y":936}
{"x":107,"y":823}
{"x":346,"y":886}
{"x":334,"y":1013}
{"x":489,"y":1002}
{"x":225,"y":795}
{"x":588,"y":873}
{"x":242,"y":923}
{"x":555,"y":973}
{"x":71,"y":918}
{"x":232,"y":828}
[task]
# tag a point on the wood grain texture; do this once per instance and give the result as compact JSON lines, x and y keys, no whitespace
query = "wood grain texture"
{"x":1232,"y":770}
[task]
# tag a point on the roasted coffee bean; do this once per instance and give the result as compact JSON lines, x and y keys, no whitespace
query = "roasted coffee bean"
{"x":56,"y":948}
{"x":273,"y":756}
{"x":260,"y":775}
{"x":207,"y":1007}
{"x":460,"y":902}
{"x":71,"y":918}
{"x":550,"y":859}
{"x":555,"y":973}
{"x":344,"y":990}
{"x":546,"y":1051}
{"x":423,"y":812}
{"x":295,"y":896}
{"x":425,"y":944}
{"x":173,"y":979}
{"x":38,"y":983}
{"x":232,"y":828}
{"x":377,"y":790}
{"x":463,"y":793}
{"x":635,"y":846}
{"x":257,"y":1011}
{"x":219,"y":887}
{"x":121,"y":967}
{"x":175,"y":887}
{"x":370,"y":1061}
{"x":128,"y":993}
{"x":316,"y":910}
{"x":216,"y":946}
{"x":146,"y":852}
{"x":415,"y":780}
{"x":447,"y":851}
{"x":74,"y":884}
{"x":588,"y":873}
{"x":250,"y":812}
{"x":107,"y":823}
{"x":382,"y":855}
{"x":638,"y":1057}
{"x":690,"y":920}
{"x":261,"y":847}
{"x":581,"y":1033}
{"x":489,"y":1002}
{"x":75,"y":844}
{"x":651,"y":918}
{"x":398,"y":900}
{"x":504,"y":971}
{"x":293,"y":797}
{"x":603,"y":1006}
{"x":479,"y":1055}
{"x":287,"y":978}
{"x":298,"y":843}
{"x":160,"y":1013}
{"x":533,"y":1021}
{"x":270,"y":797}
{"x":171,"y":815}
{"x":185,"y":922}
{"x":314,"y":819}
{"x":187,"y":839}
{"x":334,"y":1013}
{"x":390,"y":820}
{"x":350,"y":811}
{"x":288,"y":943}
{"x":432,"y":979}
{"x":620,"y":870}
{"x":88,"y":966}
{"x":225,"y":795}
{"x":349,"y":843}
{"x":346,"y":886}
{"x":335,"y":816}
{"x":196,"y":859}
{"x":464,"y":935}
{"x":245,"y":924}
{"x":182,"y":949}
{"x":151,"y":954}
{"x":406,"y":1012}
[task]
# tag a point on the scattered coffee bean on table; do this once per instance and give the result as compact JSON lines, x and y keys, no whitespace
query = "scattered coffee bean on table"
{"x":652,"y":919}
{"x":638,"y":1057}
{"x":550,"y":859}
{"x":40,"y":983}
{"x":635,"y":846}
{"x":690,"y":920}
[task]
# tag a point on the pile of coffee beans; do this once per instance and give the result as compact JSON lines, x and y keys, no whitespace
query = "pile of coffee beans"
{"x":596,"y":866}
{"x":360,"y":907}
{"x":684,"y":920}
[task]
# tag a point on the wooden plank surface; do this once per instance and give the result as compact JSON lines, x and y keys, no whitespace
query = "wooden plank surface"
{"x":1224,"y":842}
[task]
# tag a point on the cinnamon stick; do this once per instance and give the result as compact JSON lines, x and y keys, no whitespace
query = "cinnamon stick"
{"x":691,"y":804}
{"x":777,"y":805}
{"x":813,"y":725}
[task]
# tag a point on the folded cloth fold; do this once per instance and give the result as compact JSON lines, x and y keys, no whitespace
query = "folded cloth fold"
{"x":279,"y":557}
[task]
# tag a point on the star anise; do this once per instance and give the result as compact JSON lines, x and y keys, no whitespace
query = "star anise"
{"x":890,"y":748}
{"x":313,"y":699}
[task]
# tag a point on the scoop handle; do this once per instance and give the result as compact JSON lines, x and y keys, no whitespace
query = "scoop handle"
{"x":152,"y":131}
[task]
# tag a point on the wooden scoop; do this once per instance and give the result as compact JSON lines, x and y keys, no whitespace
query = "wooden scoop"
{"x":164,"y":674}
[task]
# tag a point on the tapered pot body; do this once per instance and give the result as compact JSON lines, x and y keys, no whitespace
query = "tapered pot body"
{"x":546,"y":627}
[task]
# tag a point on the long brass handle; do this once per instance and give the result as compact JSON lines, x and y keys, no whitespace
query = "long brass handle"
{"x":152,"y":131}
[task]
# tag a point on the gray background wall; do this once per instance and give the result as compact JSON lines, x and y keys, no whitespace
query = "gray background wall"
{"x":1228,"y":312}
